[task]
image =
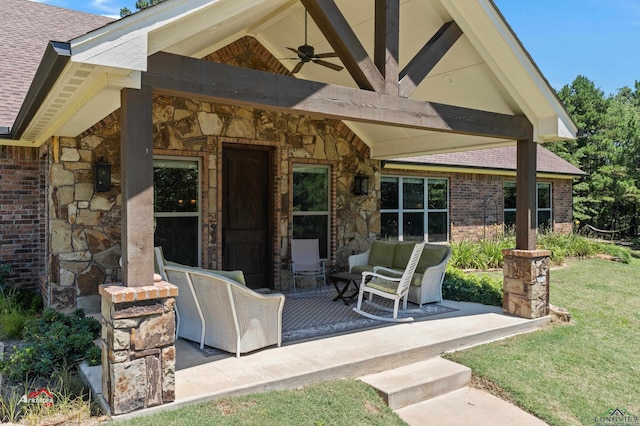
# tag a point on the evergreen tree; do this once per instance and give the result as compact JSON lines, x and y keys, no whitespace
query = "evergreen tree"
{"x":140,"y":4}
{"x":608,"y":150}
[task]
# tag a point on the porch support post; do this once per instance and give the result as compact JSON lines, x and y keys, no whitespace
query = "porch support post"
{"x":136,"y":144}
{"x":526,"y":195}
{"x":526,"y":270}
{"x":138,"y":318}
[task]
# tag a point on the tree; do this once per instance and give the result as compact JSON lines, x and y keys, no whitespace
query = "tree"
{"x":140,"y":4}
{"x":608,"y":150}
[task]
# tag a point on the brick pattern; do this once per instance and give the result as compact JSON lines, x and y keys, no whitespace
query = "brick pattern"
{"x":22,"y":201}
{"x":476,"y":203}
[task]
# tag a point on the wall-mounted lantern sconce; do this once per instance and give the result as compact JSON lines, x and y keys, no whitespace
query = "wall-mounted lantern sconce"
{"x":361,"y":184}
{"x":102,"y":175}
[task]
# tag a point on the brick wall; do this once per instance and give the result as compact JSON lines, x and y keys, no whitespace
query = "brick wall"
{"x":22,"y":208}
{"x":562,"y":204}
{"x":476,"y":204}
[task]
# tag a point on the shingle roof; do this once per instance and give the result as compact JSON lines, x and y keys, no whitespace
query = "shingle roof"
{"x":503,"y":158}
{"x":25,"y":29}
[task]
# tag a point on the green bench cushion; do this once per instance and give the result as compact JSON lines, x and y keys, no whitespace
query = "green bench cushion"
{"x":382,"y":252}
{"x":416,"y":280}
{"x":396,"y":254}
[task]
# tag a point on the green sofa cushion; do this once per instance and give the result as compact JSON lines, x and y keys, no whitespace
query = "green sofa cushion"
{"x":381,"y":253}
{"x":431,"y":256}
{"x":402,"y":254}
{"x":236,"y":276}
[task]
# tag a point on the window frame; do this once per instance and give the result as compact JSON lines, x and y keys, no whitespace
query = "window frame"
{"x":297,"y":166}
{"x":425,"y":210}
{"x":538,"y":209}
{"x":198,"y":212}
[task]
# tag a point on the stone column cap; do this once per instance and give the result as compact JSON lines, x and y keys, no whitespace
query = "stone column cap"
{"x":526,"y":253}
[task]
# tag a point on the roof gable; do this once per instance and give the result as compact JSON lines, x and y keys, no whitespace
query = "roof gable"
{"x":486,"y":69}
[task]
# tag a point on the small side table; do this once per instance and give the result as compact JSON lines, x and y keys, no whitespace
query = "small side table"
{"x":342,"y":281}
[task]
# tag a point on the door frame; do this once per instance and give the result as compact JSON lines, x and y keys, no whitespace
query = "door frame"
{"x":272,"y":153}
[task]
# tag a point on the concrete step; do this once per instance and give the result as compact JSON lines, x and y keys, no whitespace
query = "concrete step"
{"x":466,"y":406}
{"x":419,"y":381}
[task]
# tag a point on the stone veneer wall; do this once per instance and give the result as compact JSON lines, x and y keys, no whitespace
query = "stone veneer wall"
{"x":84,"y":237}
{"x":468,"y":193}
{"x":85,"y":226}
{"x":22,"y":201}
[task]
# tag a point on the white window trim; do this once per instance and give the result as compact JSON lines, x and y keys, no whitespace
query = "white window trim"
{"x":426,"y":210}
{"x":198,"y":212}
{"x":326,"y":213}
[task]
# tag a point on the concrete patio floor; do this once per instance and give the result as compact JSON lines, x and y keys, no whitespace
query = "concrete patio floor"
{"x":353,"y":354}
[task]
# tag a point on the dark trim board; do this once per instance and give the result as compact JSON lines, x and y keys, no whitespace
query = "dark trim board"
{"x":180,"y":75}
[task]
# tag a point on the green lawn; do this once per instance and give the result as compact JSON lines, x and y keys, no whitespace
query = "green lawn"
{"x":564,"y":374}
{"x":572,"y":374}
{"x":340,"y":402}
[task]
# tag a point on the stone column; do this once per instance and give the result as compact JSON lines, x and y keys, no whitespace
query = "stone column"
{"x":526,"y":283}
{"x":138,"y":345}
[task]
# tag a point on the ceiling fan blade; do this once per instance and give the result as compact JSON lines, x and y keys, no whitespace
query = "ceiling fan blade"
{"x":328,"y":64}
{"x":296,"y":51}
{"x":326,"y":55}
{"x":297,"y":67}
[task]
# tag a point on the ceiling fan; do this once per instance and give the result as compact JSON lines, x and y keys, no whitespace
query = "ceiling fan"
{"x":306,"y":53}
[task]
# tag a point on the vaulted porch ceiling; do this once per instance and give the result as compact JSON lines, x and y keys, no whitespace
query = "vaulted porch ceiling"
{"x":474,"y":62}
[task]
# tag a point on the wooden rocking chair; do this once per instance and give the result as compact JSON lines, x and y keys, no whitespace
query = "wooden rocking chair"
{"x":389,"y":287}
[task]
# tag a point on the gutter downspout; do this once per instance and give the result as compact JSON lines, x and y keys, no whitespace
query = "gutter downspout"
{"x":55,"y":59}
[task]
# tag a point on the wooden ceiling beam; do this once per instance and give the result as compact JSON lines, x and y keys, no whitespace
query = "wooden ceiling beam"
{"x":345,"y":43}
{"x":184,"y":76}
{"x":428,"y":57}
{"x":387,"y":42}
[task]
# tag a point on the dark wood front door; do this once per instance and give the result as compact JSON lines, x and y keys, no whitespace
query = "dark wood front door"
{"x":246,"y":210}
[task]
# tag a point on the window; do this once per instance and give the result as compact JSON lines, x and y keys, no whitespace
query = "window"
{"x":544,"y":207}
{"x":543,"y":203}
{"x":176,"y":209}
{"x":311,"y":204}
{"x":414,"y":209}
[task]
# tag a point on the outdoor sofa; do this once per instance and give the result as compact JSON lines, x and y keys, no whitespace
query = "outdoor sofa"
{"x":220,"y":312}
{"x":426,"y":283}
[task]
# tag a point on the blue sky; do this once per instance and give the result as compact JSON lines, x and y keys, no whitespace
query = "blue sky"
{"x":599,"y":39}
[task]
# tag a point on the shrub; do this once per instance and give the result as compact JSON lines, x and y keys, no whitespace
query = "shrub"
{"x":52,"y":341}
{"x":464,"y":287}
{"x":487,"y":254}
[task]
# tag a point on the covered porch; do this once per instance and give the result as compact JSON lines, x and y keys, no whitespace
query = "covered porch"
{"x":351,"y":354}
{"x":452,"y":77}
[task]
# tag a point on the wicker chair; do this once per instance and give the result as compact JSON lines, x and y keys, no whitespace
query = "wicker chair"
{"x":233,"y":317}
{"x":392,"y":287}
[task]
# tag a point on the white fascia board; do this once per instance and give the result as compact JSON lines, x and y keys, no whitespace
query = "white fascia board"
{"x":128,"y":42}
{"x":512,"y":66}
{"x":554,"y":129}
{"x":123,"y":43}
